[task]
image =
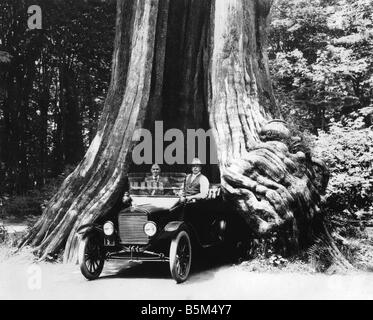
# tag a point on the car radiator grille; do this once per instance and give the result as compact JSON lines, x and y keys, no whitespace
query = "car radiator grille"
{"x":131,"y":229}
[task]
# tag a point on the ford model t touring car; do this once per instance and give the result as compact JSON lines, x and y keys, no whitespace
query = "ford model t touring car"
{"x":156,"y":225}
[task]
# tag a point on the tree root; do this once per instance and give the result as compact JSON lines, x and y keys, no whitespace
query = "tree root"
{"x":271,"y":187}
{"x":274,"y":189}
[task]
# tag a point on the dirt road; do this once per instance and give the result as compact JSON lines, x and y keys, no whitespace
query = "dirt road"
{"x":152,"y":281}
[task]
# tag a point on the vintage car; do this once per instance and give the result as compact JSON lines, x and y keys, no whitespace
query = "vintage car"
{"x":157,"y":225}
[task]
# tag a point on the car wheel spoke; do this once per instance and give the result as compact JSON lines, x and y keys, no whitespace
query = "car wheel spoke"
{"x":89,"y":246}
{"x":184,"y":259}
{"x":89,"y":265}
{"x":179,"y":271}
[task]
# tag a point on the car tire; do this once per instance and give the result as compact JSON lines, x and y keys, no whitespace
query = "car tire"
{"x":180,"y":256}
{"x":91,"y":256}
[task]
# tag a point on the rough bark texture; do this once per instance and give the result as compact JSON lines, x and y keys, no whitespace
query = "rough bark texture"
{"x":193,"y":64}
{"x":92,"y":189}
{"x":267,"y":182}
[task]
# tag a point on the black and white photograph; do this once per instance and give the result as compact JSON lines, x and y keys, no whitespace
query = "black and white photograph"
{"x":207,"y":151}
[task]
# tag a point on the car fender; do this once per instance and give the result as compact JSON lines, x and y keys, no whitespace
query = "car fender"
{"x":172,"y":228}
{"x":89,"y":228}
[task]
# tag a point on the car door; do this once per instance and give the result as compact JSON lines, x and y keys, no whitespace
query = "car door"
{"x":201,"y":216}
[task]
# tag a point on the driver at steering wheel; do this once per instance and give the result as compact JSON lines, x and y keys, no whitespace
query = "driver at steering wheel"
{"x":156,"y":184}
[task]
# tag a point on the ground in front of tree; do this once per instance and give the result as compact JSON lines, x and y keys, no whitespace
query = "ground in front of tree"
{"x":21,"y":279}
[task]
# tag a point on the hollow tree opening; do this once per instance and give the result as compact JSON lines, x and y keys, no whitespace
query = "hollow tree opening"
{"x":178,"y":95}
{"x":192,"y":64}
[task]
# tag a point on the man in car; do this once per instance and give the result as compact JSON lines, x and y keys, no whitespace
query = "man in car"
{"x":196,"y":185}
{"x":156,"y":184}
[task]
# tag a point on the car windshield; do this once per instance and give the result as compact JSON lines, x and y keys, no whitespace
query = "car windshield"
{"x":164,"y":185}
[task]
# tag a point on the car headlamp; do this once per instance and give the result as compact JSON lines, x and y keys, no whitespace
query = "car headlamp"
{"x":150,"y":229}
{"x":108,"y":228}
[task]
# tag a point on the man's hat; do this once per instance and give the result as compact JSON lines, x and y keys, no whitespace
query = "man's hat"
{"x":196,"y":161}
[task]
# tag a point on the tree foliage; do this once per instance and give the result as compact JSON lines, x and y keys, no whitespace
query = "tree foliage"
{"x":347,"y":150}
{"x":321,"y":59}
{"x":53,"y":83}
{"x":322,"y":71}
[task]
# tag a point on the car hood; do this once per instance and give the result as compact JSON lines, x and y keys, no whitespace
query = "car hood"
{"x":150,"y":205}
{"x":162,"y":203}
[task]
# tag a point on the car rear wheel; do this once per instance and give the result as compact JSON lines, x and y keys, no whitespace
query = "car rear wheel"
{"x":91,"y":256}
{"x":180,"y":256}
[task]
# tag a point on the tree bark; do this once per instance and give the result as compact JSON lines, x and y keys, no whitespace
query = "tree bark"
{"x":93,"y":187}
{"x":273,"y":184}
{"x":193,"y":64}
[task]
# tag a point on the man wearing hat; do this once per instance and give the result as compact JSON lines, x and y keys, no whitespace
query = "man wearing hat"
{"x":196,"y":185}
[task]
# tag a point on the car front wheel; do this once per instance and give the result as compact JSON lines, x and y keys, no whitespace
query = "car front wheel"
{"x":91,"y":256}
{"x":180,"y":256}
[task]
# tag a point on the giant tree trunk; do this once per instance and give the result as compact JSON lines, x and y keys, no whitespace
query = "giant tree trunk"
{"x":193,"y":64}
{"x":94,"y":186}
{"x":269,"y":184}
